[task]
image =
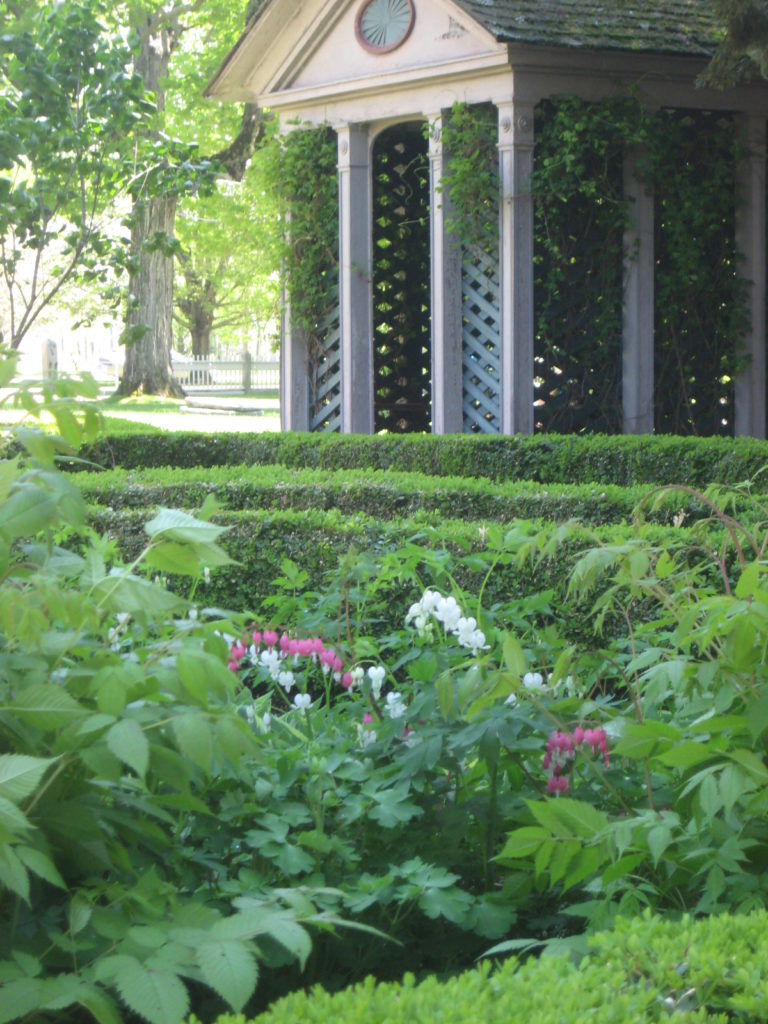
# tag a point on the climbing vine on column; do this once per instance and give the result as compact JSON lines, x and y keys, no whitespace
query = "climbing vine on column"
{"x":580,"y":217}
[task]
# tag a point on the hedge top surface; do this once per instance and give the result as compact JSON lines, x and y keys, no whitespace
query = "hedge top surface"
{"x":647,"y":969}
{"x":546,"y":458}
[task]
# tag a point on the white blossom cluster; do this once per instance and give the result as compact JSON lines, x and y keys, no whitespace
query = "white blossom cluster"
{"x":447,"y":612}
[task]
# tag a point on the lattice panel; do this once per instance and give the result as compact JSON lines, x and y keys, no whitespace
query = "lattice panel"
{"x":401,"y":281}
{"x":481,"y":342}
{"x":325,"y":400}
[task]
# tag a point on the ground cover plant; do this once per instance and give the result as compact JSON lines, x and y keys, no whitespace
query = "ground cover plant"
{"x":197,"y":806}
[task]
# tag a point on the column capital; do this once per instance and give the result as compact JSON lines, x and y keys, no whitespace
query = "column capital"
{"x":436,"y":124}
{"x":516,"y":125}
{"x":353,"y":146}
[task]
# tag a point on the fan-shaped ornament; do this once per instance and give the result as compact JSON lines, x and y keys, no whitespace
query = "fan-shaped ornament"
{"x":383,"y":25}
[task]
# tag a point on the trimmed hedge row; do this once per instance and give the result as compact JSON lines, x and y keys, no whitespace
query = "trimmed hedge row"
{"x":318,"y":541}
{"x":645,"y":970}
{"x":546,"y":458}
{"x":380,"y":493}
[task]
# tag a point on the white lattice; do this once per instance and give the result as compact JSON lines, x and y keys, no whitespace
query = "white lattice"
{"x":480,"y":348}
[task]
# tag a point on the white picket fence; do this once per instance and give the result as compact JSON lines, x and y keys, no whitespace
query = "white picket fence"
{"x":238,"y":375}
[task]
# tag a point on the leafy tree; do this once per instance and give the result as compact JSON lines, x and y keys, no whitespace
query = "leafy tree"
{"x":743,"y":54}
{"x":69,"y":113}
{"x":228,"y":261}
{"x":160,"y":28}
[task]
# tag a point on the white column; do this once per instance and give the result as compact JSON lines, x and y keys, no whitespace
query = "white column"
{"x":516,"y":267}
{"x":750,"y":242}
{"x":447,"y":415}
{"x":294,"y":373}
{"x":355,"y":279}
{"x":638,"y":313}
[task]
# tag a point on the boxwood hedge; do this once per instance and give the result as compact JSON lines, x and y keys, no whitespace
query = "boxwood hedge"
{"x":383,"y":494}
{"x":545,"y":458}
{"x":644,"y":970}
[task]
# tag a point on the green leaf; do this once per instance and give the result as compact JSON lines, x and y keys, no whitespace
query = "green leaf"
{"x":514,"y":656}
{"x":122,"y":592}
{"x":28,"y":510}
{"x":41,"y":865}
{"x":230,"y":969}
{"x":158,"y":996}
{"x":193,"y":738}
{"x":19,"y":998}
{"x":13,"y":874}
{"x":80,"y":912}
{"x":127,"y":741}
{"x":748,"y":581}
{"x":752,"y":763}
{"x":686,"y":754}
{"x":20,"y":775}
{"x":173,"y":524}
{"x":640,"y":741}
{"x":523,"y":842}
{"x":709,"y":797}
{"x":659,"y":837}
{"x":623,"y":866}
{"x":568,"y":818}
{"x":13,"y":818}
{"x":9,"y":469}
{"x":253,"y":922}
{"x":45,"y":706}
{"x":177,"y":559}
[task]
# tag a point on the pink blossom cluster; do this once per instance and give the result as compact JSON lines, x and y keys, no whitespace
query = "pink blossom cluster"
{"x":275,"y":651}
{"x":562,"y":748}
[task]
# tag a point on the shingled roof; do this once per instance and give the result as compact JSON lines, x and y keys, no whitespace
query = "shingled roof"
{"x":683,"y":27}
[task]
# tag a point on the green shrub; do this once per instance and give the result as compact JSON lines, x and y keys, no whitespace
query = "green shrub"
{"x":644,"y":970}
{"x":547,"y":458}
{"x":382,"y":494}
{"x":520,"y":560}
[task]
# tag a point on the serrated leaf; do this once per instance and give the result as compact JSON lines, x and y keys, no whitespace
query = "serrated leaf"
{"x":523,"y":842}
{"x":230,"y":969}
{"x":174,"y":524}
{"x":28,"y":510}
{"x":13,"y":818}
{"x":127,"y":741}
{"x":13,"y":874}
{"x":20,"y":775}
{"x":19,"y":998}
{"x":41,"y":865}
{"x":45,"y":706}
{"x":251,"y":923}
{"x":193,"y":738}
{"x":158,"y":996}
{"x":177,"y":559}
{"x":80,"y":911}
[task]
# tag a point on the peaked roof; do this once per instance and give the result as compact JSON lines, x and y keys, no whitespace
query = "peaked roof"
{"x":684,"y":27}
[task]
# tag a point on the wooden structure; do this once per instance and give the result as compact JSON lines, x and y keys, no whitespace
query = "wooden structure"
{"x":365,"y":66}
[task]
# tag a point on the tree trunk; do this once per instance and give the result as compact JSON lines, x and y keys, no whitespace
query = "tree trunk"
{"x":150,"y":315}
{"x":149,"y":318}
{"x":201,"y":325}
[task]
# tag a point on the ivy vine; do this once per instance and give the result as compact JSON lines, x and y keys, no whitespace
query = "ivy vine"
{"x":580,"y":217}
{"x":301,"y":171}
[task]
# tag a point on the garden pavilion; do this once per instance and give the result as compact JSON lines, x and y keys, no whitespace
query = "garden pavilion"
{"x":371,"y":70}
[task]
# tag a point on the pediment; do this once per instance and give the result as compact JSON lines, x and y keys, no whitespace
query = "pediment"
{"x":442,"y":34}
{"x":311,"y":45}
